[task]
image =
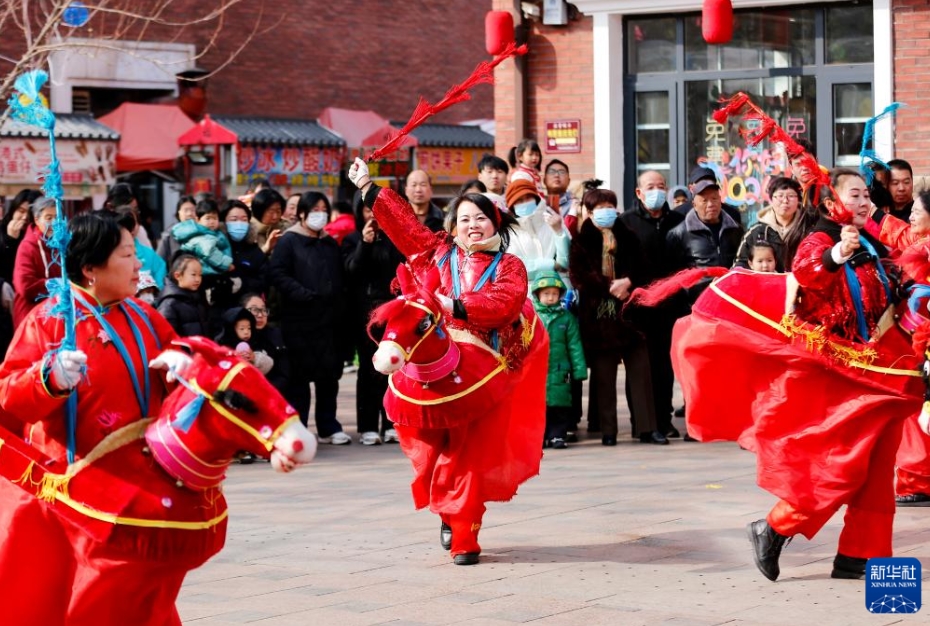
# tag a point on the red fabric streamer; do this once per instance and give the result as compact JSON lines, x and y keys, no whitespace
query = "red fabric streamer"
{"x":484,"y":73}
{"x":661,"y":290}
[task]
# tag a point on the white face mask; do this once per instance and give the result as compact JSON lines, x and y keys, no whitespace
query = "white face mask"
{"x":147,"y":297}
{"x":316,"y":220}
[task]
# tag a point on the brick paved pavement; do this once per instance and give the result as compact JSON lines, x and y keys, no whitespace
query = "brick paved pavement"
{"x":632,"y":535}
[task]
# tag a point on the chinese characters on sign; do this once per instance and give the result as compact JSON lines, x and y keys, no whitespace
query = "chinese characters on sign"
{"x":307,"y":166}
{"x":449,"y":165}
{"x":82,"y":162}
{"x":563,"y":136}
{"x":892,"y":585}
{"x":745,"y":172}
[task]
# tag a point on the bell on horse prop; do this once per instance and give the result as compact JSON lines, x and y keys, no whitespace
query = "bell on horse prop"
{"x":470,"y":413}
{"x":151,"y":491}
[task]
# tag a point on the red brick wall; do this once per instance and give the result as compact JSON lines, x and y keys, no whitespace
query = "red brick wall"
{"x":911,"y":82}
{"x":366,"y":54}
{"x":559,"y":85}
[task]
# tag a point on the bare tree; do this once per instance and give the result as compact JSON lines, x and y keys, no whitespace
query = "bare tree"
{"x":34,"y":29}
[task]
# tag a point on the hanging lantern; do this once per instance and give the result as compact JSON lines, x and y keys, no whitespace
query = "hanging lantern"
{"x":717,"y":21}
{"x":498,"y":31}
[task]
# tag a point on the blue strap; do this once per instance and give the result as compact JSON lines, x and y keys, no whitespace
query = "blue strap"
{"x":71,"y":424}
{"x":142,"y":397}
{"x":145,"y":318}
{"x":855,"y":289}
{"x":485,"y":277}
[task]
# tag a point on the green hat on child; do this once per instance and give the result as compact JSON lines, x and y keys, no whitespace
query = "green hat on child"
{"x":549,"y":279}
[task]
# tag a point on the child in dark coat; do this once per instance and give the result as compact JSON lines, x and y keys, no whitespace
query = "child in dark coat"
{"x":566,"y":356}
{"x":182,"y":303}
{"x":238,"y":331}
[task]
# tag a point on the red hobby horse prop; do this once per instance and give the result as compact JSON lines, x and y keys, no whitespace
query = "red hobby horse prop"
{"x":152,"y":491}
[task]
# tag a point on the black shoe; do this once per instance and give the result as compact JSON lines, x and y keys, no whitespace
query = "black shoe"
{"x":673,"y":433}
{"x":571,"y":437}
{"x":913,"y":499}
{"x":766,"y":547}
{"x":558,"y":443}
{"x":848,"y":567}
{"x":688,"y":438}
{"x":680,"y":411}
{"x":607,"y":440}
{"x":468,"y":558}
{"x":445,"y":536}
{"x":654,"y":437}
{"x":245,"y":458}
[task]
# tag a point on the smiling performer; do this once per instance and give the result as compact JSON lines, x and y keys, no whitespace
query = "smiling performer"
{"x":819,"y":376}
{"x":464,"y":456}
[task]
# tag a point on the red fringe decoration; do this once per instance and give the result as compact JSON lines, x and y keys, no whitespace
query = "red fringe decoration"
{"x":662,"y":290}
{"x":484,"y":73}
{"x":769,"y":129}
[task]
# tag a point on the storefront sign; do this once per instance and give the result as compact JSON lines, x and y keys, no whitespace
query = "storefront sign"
{"x":449,"y":165}
{"x":397,"y":165}
{"x":307,"y":166}
{"x":563,"y":136}
{"x":83,"y":162}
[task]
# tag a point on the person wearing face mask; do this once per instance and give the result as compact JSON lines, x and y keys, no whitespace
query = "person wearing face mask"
{"x":306,"y":269}
{"x":607,"y":263}
{"x":34,"y":264}
{"x":541,"y":241}
{"x":248,"y":272}
{"x":650,"y":218}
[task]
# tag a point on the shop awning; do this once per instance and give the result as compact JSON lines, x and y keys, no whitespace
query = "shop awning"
{"x":67,"y":126}
{"x":451,"y":136}
{"x":361,"y":129}
{"x":208,"y":132}
{"x":276,"y":132}
{"x":148,"y":135}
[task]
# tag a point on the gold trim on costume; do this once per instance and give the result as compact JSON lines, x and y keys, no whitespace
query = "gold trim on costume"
{"x":816,"y":338}
{"x":497,"y":370}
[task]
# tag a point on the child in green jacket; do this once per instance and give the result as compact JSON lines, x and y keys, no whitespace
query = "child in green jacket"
{"x":566,"y":356}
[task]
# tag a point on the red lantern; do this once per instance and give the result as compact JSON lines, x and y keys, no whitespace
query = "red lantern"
{"x":717,"y":21}
{"x":498,"y":31}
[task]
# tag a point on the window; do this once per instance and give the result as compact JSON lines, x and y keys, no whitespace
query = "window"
{"x":652,"y":45}
{"x":653,"y":131}
{"x":852,"y":108}
{"x":849,"y":34}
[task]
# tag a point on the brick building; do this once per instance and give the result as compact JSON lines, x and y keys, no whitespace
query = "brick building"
{"x":642,"y":83}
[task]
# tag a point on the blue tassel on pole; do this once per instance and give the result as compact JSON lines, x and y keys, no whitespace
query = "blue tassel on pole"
{"x":868,"y":155}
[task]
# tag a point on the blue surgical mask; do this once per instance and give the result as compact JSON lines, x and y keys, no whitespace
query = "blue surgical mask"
{"x":604,"y":218}
{"x":237,"y":231}
{"x":524,"y":209}
{"x":655,"y":198}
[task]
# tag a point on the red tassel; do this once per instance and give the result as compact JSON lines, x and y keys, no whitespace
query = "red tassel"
{"x":731,"y":107}
{"x":662,"y":290}
{"x":484,"y":73}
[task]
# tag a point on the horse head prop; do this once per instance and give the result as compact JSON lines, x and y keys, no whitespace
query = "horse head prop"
{"x":221,"y":406}
{"x":415,"y":337}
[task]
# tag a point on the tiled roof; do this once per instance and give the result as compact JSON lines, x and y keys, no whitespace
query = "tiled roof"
{"x":272,"y":131}
{"x":451,"y":136}
{"x":67,"y":126}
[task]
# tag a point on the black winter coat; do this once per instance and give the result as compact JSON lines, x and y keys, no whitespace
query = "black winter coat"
{"x":692,"y":243}
{"x":185,"y":310}
{"x":599,"y":313}
{"x":370,"y":268}
{"x":308,"y":274}
{"x":250,"y":265}
{"x":651,"y":232}
{"x":271,"y":341}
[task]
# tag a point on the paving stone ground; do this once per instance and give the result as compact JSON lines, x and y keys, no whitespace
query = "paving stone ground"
{"x":634,"y":535}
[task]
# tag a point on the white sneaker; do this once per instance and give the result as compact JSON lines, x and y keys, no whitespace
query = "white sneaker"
{"x":369,"y":438}
{"x":337,"y":439}
{"x":390,"y":436}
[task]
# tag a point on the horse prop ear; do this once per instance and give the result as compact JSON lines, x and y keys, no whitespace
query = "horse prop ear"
{"x":209,"y":350}
{"x":408,"y":285}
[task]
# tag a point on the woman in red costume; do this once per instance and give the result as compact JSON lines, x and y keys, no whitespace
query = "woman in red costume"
{"x":477,"y":458}
{"x":41,"y":579}
{"x":843,"y":289}
{"x":912,"y":487}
